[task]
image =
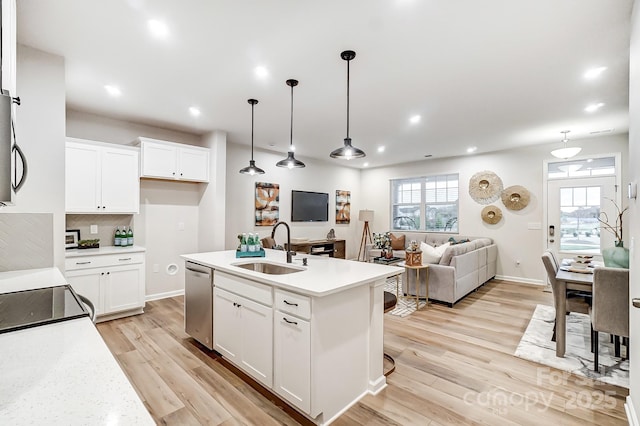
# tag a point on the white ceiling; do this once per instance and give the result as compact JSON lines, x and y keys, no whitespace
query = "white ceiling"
{"x":494,"y":74}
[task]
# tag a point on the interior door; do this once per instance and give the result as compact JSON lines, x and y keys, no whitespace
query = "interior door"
{"x":573,"y":208}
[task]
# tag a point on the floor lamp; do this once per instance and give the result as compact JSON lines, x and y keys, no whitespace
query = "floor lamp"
{"x":365,"y":216}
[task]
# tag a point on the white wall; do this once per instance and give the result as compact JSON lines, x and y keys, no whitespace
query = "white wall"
{"x":523,"y":166}
{"x":317,"y":176}
{"x":212,"y":231}
{"x":40,"y":131}
{"x":168,"y":223}
{"x":633,"y":217}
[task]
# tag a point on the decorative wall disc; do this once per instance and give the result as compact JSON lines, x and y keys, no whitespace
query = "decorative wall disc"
{"x":491,"y":214}
{"x":515,"y":197}
{"x":485,"y":187}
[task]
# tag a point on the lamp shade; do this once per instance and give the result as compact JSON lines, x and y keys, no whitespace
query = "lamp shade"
{"x":365,"y":215}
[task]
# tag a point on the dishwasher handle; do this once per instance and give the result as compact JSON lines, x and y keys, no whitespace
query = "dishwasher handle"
{"x":198,"y":270}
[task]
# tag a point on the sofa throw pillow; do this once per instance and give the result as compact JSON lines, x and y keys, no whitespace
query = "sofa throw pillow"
{"x":432,"y":254}
{"x":397,"y":243}
{"x":381,"y":240}
{"x":454,"y":242}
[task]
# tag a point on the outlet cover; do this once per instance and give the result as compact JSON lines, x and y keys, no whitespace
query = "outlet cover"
{"x":93,"y":229}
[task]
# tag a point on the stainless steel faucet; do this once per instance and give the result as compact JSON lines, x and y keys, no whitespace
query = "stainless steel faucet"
{"x":288,"y":249}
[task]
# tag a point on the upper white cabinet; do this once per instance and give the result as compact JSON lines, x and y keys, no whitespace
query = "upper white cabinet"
{"x":101,"y":178}
{"x":173,"y":161}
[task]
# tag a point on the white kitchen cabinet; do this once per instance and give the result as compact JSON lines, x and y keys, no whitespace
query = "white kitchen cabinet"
{"x":292,"y":360}
{"x":101,"y":178}
{"x":115,"y":283}
{"x":292,"y":348}
{"x":173,"y":161}
{"x":243,"y":328}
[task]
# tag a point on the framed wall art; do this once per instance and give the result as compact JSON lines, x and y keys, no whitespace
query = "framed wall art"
{"x":343,"y":207}
{"x":267,"y":203}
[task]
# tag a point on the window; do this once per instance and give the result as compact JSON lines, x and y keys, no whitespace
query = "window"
{"x":427,"y":203}
{"x":579,"y":212}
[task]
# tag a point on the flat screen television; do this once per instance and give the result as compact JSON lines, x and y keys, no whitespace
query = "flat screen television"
{"x":309,"y":206}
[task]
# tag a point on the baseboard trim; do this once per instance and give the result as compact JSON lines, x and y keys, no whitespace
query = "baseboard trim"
{"x":166,"y":295}
{"x":520,"y":280}
{"x":632,"y":417}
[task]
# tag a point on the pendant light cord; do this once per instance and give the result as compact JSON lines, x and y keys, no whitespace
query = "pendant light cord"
{"x":291,"y":128}
{"x":252,"y":105}
{"x":348,"y":98}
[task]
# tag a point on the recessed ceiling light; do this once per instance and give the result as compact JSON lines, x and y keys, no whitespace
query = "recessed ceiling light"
{"x":381,"y":149}
{"x":112,"y":90}
{"x":157,"y":28}
{"x":472,"y":149}
{"x":415,"y":119}
{"x":365,"y":165}
{"x":261,"y":72}
{"x":195,"y":111}
{"x":590,"y":160}
{"x":594,"y":73}
{"x":594,"y":107}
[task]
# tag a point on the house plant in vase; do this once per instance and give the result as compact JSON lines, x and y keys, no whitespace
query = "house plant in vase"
{"x":618,"y":256}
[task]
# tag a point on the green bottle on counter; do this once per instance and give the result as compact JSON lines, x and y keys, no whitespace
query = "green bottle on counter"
{"x":129,"y":237}
{"x":118,"y":238}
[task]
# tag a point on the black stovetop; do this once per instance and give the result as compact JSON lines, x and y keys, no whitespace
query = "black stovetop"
{"x":31,"y":308}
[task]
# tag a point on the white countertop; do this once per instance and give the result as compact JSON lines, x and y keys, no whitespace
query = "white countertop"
{"x":103,"y":250}
{"x":62,"y":373}
{"x":322,"y":276}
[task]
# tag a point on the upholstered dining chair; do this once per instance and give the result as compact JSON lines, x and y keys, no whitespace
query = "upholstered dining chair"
{"x":610,"y":307}
{"x":574,"y":304}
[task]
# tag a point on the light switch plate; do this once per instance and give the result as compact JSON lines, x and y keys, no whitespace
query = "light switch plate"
{"x":93,"y":229}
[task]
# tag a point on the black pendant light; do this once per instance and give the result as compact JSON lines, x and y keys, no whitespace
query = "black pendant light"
{"x":347,"y":152}
{"x":291,"y":162}
{"x":252,"y":169}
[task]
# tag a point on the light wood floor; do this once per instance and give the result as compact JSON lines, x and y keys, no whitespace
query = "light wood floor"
{"x":454,"y":367}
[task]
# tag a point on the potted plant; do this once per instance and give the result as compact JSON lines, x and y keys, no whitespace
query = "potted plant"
{"x":618,"y":256}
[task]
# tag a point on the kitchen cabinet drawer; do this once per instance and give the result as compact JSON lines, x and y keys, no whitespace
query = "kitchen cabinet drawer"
{"x":250,"y":289}
{"x":294,"y":304}
{"x":85,"y":262}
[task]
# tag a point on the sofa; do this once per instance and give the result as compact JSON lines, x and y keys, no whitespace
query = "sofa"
{"x":463,"y":267}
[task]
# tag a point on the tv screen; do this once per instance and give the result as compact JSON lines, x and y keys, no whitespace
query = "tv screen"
{"x":309,"y":206}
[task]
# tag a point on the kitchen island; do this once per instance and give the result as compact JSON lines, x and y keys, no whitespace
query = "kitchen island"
{"x":61,"y":373}
{"x":312,"y":334}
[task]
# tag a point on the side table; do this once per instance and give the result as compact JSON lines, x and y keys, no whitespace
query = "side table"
{"x":418,"y":268}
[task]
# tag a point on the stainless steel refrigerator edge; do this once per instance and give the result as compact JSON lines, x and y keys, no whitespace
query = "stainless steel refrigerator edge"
{"x":198,"y":303}
{"x":6,"y":191}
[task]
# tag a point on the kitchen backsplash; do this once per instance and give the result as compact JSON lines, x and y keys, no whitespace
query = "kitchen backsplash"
{"x":107,"y":224}
{"x":26,"y":241}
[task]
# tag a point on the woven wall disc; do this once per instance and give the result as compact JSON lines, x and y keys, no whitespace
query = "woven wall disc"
{"x":485,"y":187}
{"x":491,"y":214}
{"x":515,"y":197}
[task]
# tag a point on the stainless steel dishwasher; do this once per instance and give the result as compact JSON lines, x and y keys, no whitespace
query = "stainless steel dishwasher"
{"x":198,"y":303}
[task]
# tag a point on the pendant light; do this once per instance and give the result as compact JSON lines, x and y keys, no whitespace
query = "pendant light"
{"x":347,"y":152}
{"x":252,"y":169}
{"x":565,"y":152}
{"x":291,"y":162}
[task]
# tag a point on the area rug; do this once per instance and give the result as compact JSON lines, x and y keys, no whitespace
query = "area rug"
{"x":405,"y":306}
{"x":536,"y":346}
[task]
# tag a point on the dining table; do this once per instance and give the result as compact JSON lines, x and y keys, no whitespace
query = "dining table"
{"x":568,"y":280}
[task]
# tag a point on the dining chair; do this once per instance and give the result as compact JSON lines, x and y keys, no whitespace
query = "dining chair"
{"x":610,"y":307}
{"x":574,"y":302}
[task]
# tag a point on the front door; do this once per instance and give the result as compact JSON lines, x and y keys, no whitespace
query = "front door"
{"x":573,"y":208}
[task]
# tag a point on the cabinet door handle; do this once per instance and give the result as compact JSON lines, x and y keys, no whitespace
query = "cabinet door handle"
{"x":126,"y":258}
{"x":237,"y":305}
{"x":636,"y":302}
{"x":290,"y":304}
{"x":82,"y":263}
{"x":289,"y":322}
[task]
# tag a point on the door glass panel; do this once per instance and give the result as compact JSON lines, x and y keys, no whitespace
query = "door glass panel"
{"x":579,"y":212}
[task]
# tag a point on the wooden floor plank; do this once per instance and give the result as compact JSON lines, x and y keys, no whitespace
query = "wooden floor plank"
{"x":454,"y":366}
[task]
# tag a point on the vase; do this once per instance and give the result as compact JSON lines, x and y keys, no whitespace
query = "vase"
{"x":616,"y":257}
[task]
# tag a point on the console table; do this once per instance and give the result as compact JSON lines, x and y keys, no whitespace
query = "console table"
{"x":332,"y":248}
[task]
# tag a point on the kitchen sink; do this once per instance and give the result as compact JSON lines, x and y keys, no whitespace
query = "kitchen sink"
{"x":268,"y":268}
